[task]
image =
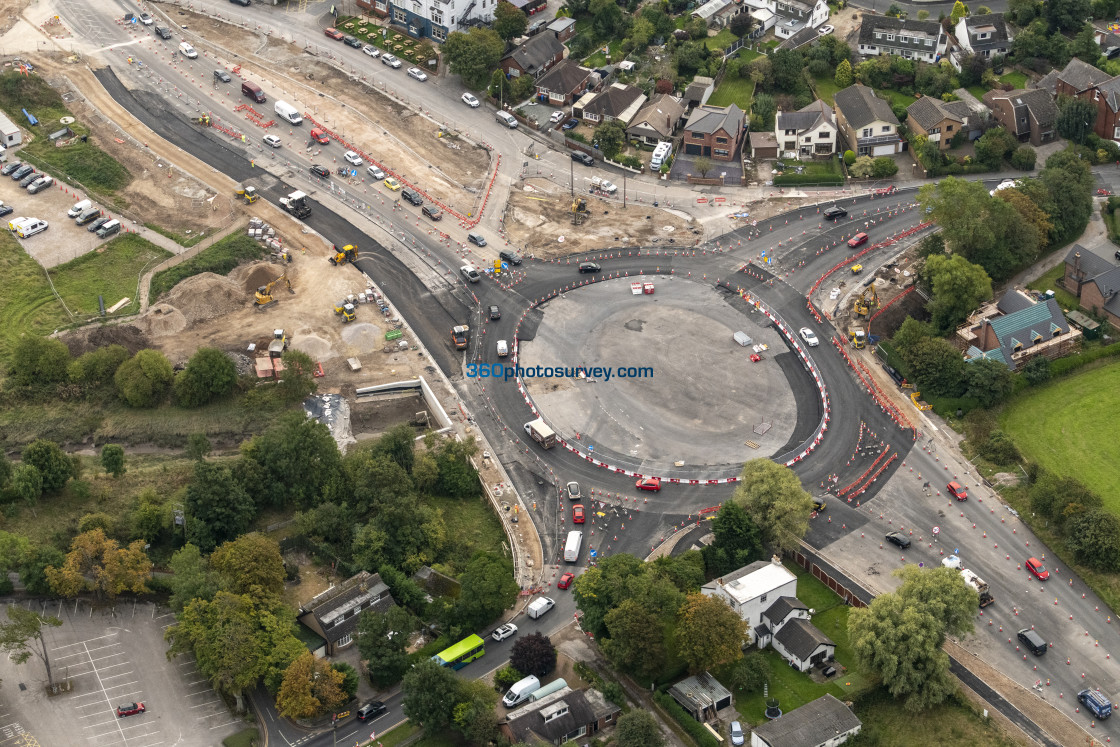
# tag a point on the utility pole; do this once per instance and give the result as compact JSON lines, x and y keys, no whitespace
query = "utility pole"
{"x":623,"y":190}
{"x":572,"y":177}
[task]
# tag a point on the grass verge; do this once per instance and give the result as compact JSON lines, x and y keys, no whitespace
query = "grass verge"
{"x":178,"y":238}
{"x":27,"y":303}
{"x":220,"y":258}
{"x":738,"y":91}
{"x":111,"y":271}
{"x":245,"y":738}
{"x":956,"y":722}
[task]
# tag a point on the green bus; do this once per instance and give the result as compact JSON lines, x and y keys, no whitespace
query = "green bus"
{"x":462,"y":653}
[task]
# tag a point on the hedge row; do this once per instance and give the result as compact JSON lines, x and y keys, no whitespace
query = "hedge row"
{"x":835,"y":180}
{"x":1063,"y":366}
{"x":695,"y":729}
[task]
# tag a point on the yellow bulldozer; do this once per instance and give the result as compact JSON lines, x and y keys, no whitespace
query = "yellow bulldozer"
{"x":249,"y":194}
{"x":866,"y":302}
{"x":348,"y":253}
{"x":264,"y":293}
{"x":580,"y":213}
{"x":348,"y":312}
{"x":857,"y":337}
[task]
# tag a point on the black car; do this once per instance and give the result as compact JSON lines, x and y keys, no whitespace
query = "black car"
{"x":21,"y":172}
{"x":835,"y":212}
{"x":570,"y":125}
{"x":242,"y":3}
{"x":495,"y":312}
{"x":7,"y":170}
{"x":897,"y":538}
{"x":371,"y":710}
{"x":512,"y":257}
{"x":6,"y":210}
{"x":351,"y":42}
{"x":583,"y":158}
{"x":432,"y":212}
{"x":222,"y":75}
{"x":589,"y":267}
{"x":412,"y":196}
{"x":320,"y":171}
{"x":163,"y":32}
{"x":98,"y":223}
{"x":28,"y":178}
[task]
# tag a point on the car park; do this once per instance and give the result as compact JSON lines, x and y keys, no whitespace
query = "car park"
{"x":271,"y":141}
{"x":565,"y":581}
{"x":495,"y":312}
{"x":108,"y":229}
{"x":648,"y":483}
{"x":957,"y":490}
{"x":320,"y":171}
{"x":504,"y":631}
{"x":470,"y":100}
{"x":1033,"y":641}
{"x":21,"y":172}
{"x":371,"y":710}
{"x":897,"y":538}
{"x":510,"y":256}
{"x":432,"y":212}
{"x":583,"y":158}
{"x":375,"y":173}
{"x":163,"y":32}
{"x":130,"y":709}
{"x":392,"y":184}
{"x":353,"y":158}
{"x":417,"y":74}
{"x":858,"y":240}
{"x":412,"y":196}
{"x":97,"y":224}
{"x":589,"y":267}
{"x":333,"y":33}
{"x":571,"y":124}
{"x":371,"y":50}
{"x":40,"y":184}
{"x":351,"y":42}
{"x":1037,"y":569}
{"x":79,"y":207}
{"x":577,"y":514}
{"x":809,"y":337}
{"x":222,"y":75}
{"x":835,"y":213}
{"x":390,"y":60}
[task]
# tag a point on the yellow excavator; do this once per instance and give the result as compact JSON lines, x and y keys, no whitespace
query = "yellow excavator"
{"x":866,"y":302}
{"x":249,"y":194}
{"x":348,"y":253}
{"x":580,"y":213}
{"x":264,"y":293}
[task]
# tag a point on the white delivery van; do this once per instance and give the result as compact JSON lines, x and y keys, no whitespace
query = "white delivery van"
{"x":31,"y":227}
{"x":79,"y":207}
{"x":503,"y":348}
{"x":507,"y":119}
{"x":538,"y":607}
{"x":521,"y":691}
{"x":187,"y":51}
{"x":571,"y":547}
{"x":288,"y":112}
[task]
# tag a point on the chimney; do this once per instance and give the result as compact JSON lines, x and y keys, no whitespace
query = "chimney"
{"x":668,"y":125}
{"x":1078,"y":273}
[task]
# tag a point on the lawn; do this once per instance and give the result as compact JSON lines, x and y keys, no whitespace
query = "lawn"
{"x":27,"y":304}
{"x":418,"y":52}
{"x":1066,"y":426}
{"x":738,"y":91}
{"x":600,"y":58}
{"x":897,"y":98}
{"x":220,"y":258}
{"x":1015,"y":78}
{"x":246,"y":738}
{"x":722,"y":40}
{"x":112,"y":271}
{"x":954,"y":723}
{"x":473,"y":525}
{"x":1048,"y":281}
{"x":825,"y":88}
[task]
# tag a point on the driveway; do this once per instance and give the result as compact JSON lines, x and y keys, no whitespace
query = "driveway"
{"x":732,"y":171}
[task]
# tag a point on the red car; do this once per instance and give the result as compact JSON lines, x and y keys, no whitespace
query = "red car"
{"x":956,"y":490}
{"x":577,"y":514}
{"x":334,"y":33}
{"x":1037,"y":569}
{"x":565,"y":581}
{"x":648,"y":483}
{"x":857,"y":240}
{"x":130,"y":709}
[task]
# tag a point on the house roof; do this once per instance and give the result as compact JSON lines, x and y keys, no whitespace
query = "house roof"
{"x":806,"y":118}
{"x":1092,"y":264}
{"x":534,"y":53}
{"x":991,"y":24}
{"x":552,"y":719}
{"x":861,"y":106}
{"x":566,"y":76}
{"x":1014,"y":300}
{"x":973,"y":104}
{"x":763,"y":140}
{"x":929,"y":112}
{"x":1037,"y":101}
{"x":1022,"y":328}
{"x":702,"y":690}
{"x":761,"y":631}
{"x":710,"y":8}
{"x":336,"y":610}
{"x":747,"y":583}
{"x":614,"y":100}
{"x":810,"y":725}
{"x":560,"y":25}
{"x":915,"y":32}
{"x":805,"y":36}
{"x":1111,"y":90}
{"x":1048,"y":82}
{"x":781,"y":608}
{"x":801,"y":638}
{"x":660,"y":115}
{"x":1081,"y":76}
{"x":976,"y":354}
{"x":708,"y":119}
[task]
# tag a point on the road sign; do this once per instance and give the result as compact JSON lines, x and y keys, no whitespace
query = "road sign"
{"x":937,"y":530}
{"x":594,"y":553}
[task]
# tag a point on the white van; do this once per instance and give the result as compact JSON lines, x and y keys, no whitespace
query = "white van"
{"x":503,"y":348}
{"x":571,"y":547}
{"x":187,"y":51}
{"x":79,"y":208}
{"x":507,"y":119}
{"x":538,"y":607}
{"x":15,"y":223}
{"x":32,"y":227}
{"x":288,"y":112}
{"x":521,"y":691}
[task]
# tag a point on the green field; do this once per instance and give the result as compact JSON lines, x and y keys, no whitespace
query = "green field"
{"x":473,"y":525}
{"x":1063,"y":425}
{"x":738,"y":91}
{"x":27,"y":304}
{"x":886,"y":724}
{"x":220,"y":258}
{"x":112,"y":271}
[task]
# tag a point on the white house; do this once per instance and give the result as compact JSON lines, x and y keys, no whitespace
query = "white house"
{"x":438,"y":19}
{"x":986,"y":36}
{"x":867,"y":122}
{"x":787,"y":17}
{"x":807,"y":132}
{"x":824,"y":722}
{"x":752,"y":589}
{"x":916,"y":40}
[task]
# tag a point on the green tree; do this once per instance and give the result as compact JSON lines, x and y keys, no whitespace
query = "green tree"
{"x":703,"y":165}
{"x":488,"y":588}
{"x":862,"y":167}
{"x":741,"y":24}
{"x":773,"y":498}
{"x":474,"y":716}
{"x":1075,"y":118}
{"x":399,"y":444}
{"x":941,"y":592}
{"x":39,"y":361}
{"x":190,"y":578}
{"x":112,"y":459}
{"x":894,"y":11}
{"x":430,"y":695}
{"x":22,"y":638}
{"x":97,"y":367}
{"x":198,"y":446}
{"x":958,"y":288}
{"x":988,"y":381}
{"x":26,"y":483}
{"x":299,"y":376}
{"x":993,"y":146}
{"x":1023,"y":158}
{"x":1094,"y":539}
{"x":1037,"y":370}
{"x":457,"y":477}
{"x":509,"y":21}
{"x":600,"y":589}
{"x":350,"y":679}
{"x":291,"y":462}
{"x":738,"y":541}
{"x":310,"y":688}
{"x":959,"y":12}
{"x":764,"y":107}
{"x":144,"y":379}
{"x":53,"y":464}
{"x":33,"y":567}
{"x":210,"y":374}
{"x":637,"y":640}
{"x":789,"y":70}
{"x":500,"y":87}
{"x":750,"y":673}
{"x":999,"y":448}
{"x":606,"y":18}
{"x":382,"y":640}
{"x":581,"y":44}
{"x":937,"y":367}
{"x":217,"y":508}
{"x":474,"y":55}
{"x":709,"y":633}
{"x":1066,"y":15}
{"x":844,"y":76}
{"x":533,"y":654}
{"x":250,"y":564}
{"x":611,"y":135}
{"x":638,"y":729}
{"x":1069,"y":185}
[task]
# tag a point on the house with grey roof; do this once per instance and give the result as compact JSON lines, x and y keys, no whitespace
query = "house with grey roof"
{"x":563,"y":83}
{"x":824,"y":722}
{"x":784,"y":609}
{"x":1016,"y":329}
{"x":938,"y":120}
{"x":333,"y":614}
{"x":867,"y":122}
{"x":698,"y":91}
{"x":562,"y":28}
{"x":563,"y":716}
{"x":535,"y":56}
{"x":802,"y":38}
{"x":702,"y":696}
{"x":715,"y":132}
{"x":1028,"y":114}
{"x":802,"y":645}
{"x":985,"y":35}
{"x":809,"y":132}
{"x":617,"y":101}
{"x":924,"y":41}
{"x":791,"y":16}
{"x":1095,"y":279}
{"x":657,"y":120}
{"x":1048,"y":82}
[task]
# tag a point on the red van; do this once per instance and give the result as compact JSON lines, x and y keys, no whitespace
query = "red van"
{"x":253,"y":91}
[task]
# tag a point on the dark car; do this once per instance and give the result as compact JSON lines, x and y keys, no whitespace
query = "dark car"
{"x":835,"y":212}
{"x":29,"y":177}
{"x":412,"y":196}
{"x":21,"y":172}
{"x":589,"y":267}
{"x":583,"y":158}
{"x":163,"y":32}
{"x":495,"y":312}
{"x":6,"y":210}
{"x":7,"y":170}
{"x":351,"y":42}
{"x":512,"y":257}
{"x":571,"y":124}
{"x":87,"y":217}
{"x":242,"y":3}
{"x":130,"y":709}
{"x":98,"y":223}
{"x":1033,"y":641}
{"x":320,"y":171}
{"x":222,"y":76}
{"x":897,"y":538}
{"x":432,"y":212}
{"x":371,"y":710}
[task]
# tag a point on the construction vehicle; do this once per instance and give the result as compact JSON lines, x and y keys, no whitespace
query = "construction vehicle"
{"x":857,"y":337}
{"x":296,"y":204}
{"x":348,"y":253}
{"x":249,"y":193}
{"x":264,"y":293}
{"x":580,"y":213}
{"x":857,"y":269}
{"x":1095,"y":702}
{"x":348,"y":312}
{"x":979,"y":584}
{"x":539,"y":431}
{"x":278,"y":344}
{"x":866,"y":302}
{"x":460,"y":333}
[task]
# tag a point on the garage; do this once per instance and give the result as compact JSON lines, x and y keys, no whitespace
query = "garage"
{"x":695,"y":149}
{"x":883,"y":150}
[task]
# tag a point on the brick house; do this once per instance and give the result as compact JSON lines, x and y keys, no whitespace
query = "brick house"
{"x":808,"y":132}
{"x":534,"y":57}
{"x":714,"y":131}
{"x":379,"y":8}
{"x":563,"y":716}
{"x":1028,"y":114}
{"x":1017,"y":328}
{"x":333,"y":615}
{"x":924,"y":41}
{"x":1084,"y":81}
{"x":938,"y":120}
{"x":563,"y":83}
{"x":1095,"y":280}
{"x":867,"y":122}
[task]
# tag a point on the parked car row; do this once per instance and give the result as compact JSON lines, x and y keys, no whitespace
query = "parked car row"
{"x":386,"y":58}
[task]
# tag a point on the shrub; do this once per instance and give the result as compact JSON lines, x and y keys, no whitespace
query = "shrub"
{"x":999,"y":448}
{"x":883,"y":166}
{"x":699,"y":734}
{"x":144,"y":379}
{"x":849,"y":158}
{"x":1023,"y":158}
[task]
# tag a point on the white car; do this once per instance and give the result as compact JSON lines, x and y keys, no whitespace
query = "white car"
{"x":390,"y":60}
{"x":557,"y":117}
{"x":353,"y":158}
{"x":1005,"y":184}
{"x":470,"y":100}
{"x":418,"y":74}
{"x":573,"y":491}
{"x":146,"y":19}
{"x":371,"y":50}
{"x":504,"y":632}
{"x":376,"y":173}
{"x":271,"y":141}
{"x":825,"y":30}
{"x":809,"y":337}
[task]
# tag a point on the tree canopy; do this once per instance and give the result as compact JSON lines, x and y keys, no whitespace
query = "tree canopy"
{"x":709,"y":633}
{"x":774,"y":500}
{"x":958,"y":288}
{"x":311,"y":687}
{"x":217,"y":507}
{"x":474,"y":55}
{"x":98,"y":564}
{"x":488,"y":588}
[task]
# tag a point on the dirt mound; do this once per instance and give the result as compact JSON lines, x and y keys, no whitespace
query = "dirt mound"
{"x":84,"y":340}
{"x":164,"y":319}
{"x":206,"y":296}
{"x":251,"y":277}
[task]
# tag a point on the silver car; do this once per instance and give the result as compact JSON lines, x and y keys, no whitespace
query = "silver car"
{"x":504,"y":632}
{"x":418,"y":74}
{"x":390,"y":60}
{"x":573,"y":491}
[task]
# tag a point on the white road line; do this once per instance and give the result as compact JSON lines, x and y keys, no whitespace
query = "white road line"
{"x":107,"y":701}
{"x":227,"y":723}
{"x":83,"y":643}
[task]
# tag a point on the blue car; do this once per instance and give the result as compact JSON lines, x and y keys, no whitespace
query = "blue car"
{"x":570,"y":124}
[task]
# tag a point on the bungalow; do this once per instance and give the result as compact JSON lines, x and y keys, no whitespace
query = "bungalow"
{"x":658,"y":120}
{"x":563,"y":83}
{"x":617,"y":101}
{"x":715,"y":132}
{"x":867,"y":122}
{"x":824,"y":722}
{"x":333,"y":614}
{"x":807,"y":132}
{"x":534,"y":57}
{"x":563,"y":716}
{"x":938,"y":120}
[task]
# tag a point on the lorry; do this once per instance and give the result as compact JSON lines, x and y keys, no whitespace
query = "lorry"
{"x":296,"y":204}
{"x":539,"y":431}
{"x":979,"y":584}
{"x":1095,"y":702}
{"x":460,"y":333}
